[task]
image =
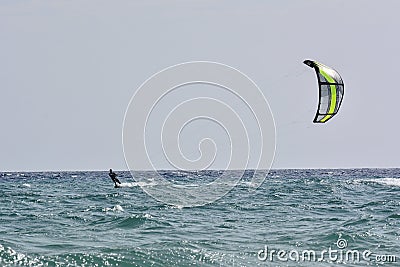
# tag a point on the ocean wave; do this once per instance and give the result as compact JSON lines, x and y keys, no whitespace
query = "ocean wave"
{"x":133,"y":221}
{"x":116,"y":208}
{"x":10,"y":257}
{"x":135,"y":184}
{"x":385,"y":181}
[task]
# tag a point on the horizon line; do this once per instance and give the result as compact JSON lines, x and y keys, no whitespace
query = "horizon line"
{"x":249,"y":169}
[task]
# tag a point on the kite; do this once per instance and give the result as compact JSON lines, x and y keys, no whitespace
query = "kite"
{"x":331,"y":91}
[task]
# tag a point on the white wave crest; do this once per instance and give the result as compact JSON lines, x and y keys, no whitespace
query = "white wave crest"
{"x":115,"y":208}
{"x":386,"y":181}
{"x":134,"y":184}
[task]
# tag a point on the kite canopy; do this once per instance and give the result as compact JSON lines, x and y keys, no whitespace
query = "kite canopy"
{"x":331,"y":90}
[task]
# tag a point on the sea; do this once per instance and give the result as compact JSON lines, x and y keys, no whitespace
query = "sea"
{"x":297,"y":217}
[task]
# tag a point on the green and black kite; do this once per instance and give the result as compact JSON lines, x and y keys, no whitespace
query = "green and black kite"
{"x":331,"y":91}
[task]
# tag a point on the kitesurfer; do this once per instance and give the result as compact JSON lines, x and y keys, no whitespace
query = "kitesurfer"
{"x":114,"y":178}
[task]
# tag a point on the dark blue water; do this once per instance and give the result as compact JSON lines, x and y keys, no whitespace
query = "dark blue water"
{"x":80,"y":219}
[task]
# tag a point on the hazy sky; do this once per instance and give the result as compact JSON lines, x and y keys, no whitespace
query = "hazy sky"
{"x":69,"y":68}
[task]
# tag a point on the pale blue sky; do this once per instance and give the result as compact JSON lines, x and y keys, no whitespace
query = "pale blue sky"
{"x":69,"y":68}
